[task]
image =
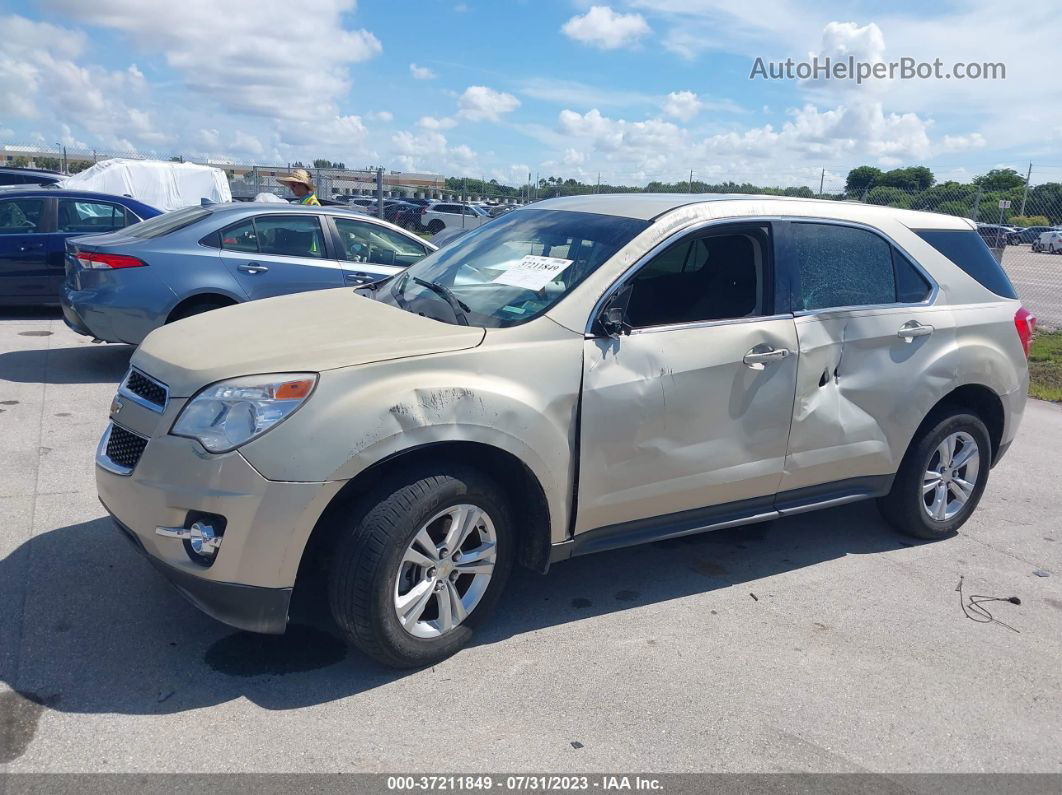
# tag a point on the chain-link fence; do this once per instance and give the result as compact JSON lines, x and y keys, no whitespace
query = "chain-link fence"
{"x":1023,"y":226}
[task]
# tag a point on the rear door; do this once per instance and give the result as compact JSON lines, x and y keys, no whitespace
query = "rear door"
{"x":24,"y":269}
{"x":869,"y":338}
{"x":276,"y":254}
{"x":370,"y":252}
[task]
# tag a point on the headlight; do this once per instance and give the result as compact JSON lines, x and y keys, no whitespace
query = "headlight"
{"x":230,"y":413}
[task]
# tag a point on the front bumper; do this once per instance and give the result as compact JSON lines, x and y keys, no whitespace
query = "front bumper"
{"x":268,"y":523}
{"x":246,"y":607}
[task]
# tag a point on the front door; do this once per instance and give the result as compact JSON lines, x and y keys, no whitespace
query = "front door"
{"x":274,"y":254}
{"x":692,"y":409}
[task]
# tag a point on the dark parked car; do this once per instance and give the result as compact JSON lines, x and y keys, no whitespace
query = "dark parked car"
{"x":1027,"y":235}
{"x":34,"y":227}
{"x":994,"y":235}
{"x":28,"y":176}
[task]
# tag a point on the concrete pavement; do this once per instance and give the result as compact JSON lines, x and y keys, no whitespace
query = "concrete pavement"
{"x":820,"y":643}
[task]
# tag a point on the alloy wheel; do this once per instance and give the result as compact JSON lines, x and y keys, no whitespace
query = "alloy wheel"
{"x":951,"y":476}
{"x":445,"y":571}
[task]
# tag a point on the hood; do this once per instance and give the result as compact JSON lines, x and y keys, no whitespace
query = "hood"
{"x":305,"y":332}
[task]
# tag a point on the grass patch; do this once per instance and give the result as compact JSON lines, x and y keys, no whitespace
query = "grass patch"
{"x":1045,"y":366}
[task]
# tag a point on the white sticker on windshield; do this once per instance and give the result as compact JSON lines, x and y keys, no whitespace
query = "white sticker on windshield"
{"x":532,"y":272}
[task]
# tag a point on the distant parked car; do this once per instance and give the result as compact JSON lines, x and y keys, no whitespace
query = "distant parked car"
{"x":994,"y":235}
{"x":34,"y":227}
{"x":440,"y":215}
{"x":123,"y":285}
{"x":29,"y":176}
{"x":1029,"y":234}
{"x":1049,"y":242}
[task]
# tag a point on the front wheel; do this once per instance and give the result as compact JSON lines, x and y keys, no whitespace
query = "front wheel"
{"x":941,"y":478}
{"x":414,"y":577}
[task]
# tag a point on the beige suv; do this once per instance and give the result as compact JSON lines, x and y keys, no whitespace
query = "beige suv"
{"x":585,"y":374}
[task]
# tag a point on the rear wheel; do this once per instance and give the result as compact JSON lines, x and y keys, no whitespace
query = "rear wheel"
{"x":941,"y":478}
{"x":197,"y":308}
{"x":422,"y":567}
{"x":436,"y":226}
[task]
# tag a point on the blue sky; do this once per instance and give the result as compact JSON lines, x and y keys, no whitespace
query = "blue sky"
{"x":634,"y":89}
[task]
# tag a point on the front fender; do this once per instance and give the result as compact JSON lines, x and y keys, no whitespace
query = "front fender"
{"x":359,"y":416}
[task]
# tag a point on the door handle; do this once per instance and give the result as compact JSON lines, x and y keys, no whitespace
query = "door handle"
{"x":761,"y":355}
{"x":252,"y":268}
{"x":911,"y":329}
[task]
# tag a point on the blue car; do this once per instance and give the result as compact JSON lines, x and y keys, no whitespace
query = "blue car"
{"x":34,"y":227}
{"x":121,"y":286}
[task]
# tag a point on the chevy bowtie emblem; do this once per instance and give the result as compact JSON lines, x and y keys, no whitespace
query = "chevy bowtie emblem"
{"x":116,"y":406}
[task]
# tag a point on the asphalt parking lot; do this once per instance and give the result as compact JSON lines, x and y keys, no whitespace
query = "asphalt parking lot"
{"x":820,"y":643}
{"x":1038,"y":279}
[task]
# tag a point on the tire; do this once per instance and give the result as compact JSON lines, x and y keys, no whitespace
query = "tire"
{"x":436,"y":226}
{"x":370,"y":570}
{"x":907,"y":506}
{"x":197,"y":308}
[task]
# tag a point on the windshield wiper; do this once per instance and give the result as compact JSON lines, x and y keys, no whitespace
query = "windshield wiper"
{"x":461,"y":309}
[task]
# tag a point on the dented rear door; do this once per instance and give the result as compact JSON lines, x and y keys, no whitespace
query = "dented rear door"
{"x":865,"y":367}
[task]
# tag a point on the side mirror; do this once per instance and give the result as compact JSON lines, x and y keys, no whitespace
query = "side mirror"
{"x":613,"y":318}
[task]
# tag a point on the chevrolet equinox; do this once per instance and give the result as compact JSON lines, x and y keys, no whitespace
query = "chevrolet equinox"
{"x":580,"y":375}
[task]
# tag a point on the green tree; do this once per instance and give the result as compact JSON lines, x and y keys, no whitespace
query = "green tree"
{"x":910,"y":178}
{"x":861,"y":178}
{"x":892,"y":197}
{"x":1000,"y":179}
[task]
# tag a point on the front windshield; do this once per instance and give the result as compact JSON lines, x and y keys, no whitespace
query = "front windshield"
{"x":511,"y":269}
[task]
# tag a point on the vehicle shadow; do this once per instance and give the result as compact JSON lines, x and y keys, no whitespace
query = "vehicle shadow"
{"x":82,"y":364}
{"x":30,"y":313}
{"x":90,"y":627}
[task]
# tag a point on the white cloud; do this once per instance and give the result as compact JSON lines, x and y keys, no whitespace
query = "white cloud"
{"x":429,"y":149}
{"x":682,"y":105}
{"x":41,"y":79}
{"x":480,"y":103}
{"x":381,"y":116}
{"x":604,"y":28}
{"x":421,"y":72}
{"x":435,"y":123}
{"x":252,"y":56}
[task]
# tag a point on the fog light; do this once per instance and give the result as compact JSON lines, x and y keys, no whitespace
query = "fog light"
{"x":203,"y":540}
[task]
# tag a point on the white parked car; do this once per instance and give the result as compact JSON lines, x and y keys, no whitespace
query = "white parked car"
{"x":438,"y":216}
{"x":1050,"y":242}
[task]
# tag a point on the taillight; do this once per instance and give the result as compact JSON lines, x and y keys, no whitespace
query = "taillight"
{"x":1025,"y":323}
{"x":423,"y":210}
{"x":101,"y":260}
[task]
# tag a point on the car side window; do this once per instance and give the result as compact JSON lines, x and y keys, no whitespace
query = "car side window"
{"x":290,"y":235}
{"x":703,"y":278}
{"x":86,"y":217}
{"x":911,"y":285}
{"x":365,"y":242}
{"x":841,"y":266}
{"x":240,"y":237}
{"x":20,"y":216}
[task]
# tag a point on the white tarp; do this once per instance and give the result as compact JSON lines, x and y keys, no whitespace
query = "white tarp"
{"x":165,"y":185}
